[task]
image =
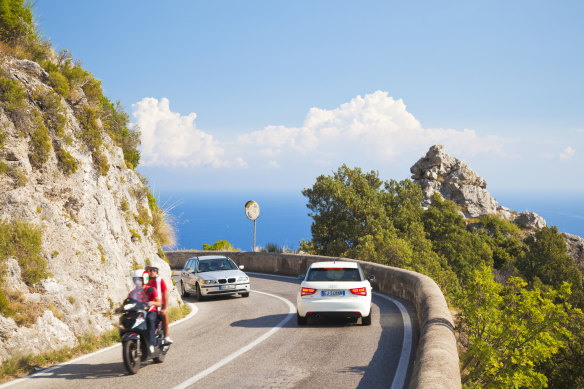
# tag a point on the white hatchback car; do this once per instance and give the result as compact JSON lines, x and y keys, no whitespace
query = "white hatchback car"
{"x":336,"y":289}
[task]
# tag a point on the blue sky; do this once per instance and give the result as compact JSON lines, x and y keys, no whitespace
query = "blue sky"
{"x":270,"y":94}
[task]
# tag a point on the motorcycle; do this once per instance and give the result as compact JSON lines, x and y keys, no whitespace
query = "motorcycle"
{"x":133,"y":330}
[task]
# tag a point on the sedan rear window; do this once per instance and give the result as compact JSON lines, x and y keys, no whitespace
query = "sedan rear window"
{"x":333,"y":274}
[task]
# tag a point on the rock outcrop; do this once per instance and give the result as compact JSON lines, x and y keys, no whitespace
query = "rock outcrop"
{"x":93,"y":222}
{"x":575,"y":249}
{"x":441,"y":173}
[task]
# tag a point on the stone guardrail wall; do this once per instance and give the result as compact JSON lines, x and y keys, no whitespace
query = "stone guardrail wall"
{"x":436,"y":362}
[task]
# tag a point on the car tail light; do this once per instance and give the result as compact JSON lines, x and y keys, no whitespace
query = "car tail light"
{"x":307,"y":291}
{"x":359,"y":291}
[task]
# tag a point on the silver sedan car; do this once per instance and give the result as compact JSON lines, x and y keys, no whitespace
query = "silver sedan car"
{"x":212,"y":275}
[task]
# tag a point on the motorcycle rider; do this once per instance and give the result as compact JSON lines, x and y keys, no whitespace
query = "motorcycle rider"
{"x":148,"y":294}
{"x":160,"y":285}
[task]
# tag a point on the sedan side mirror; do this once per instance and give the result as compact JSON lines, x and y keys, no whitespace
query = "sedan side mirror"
{"x":370,"y":277}
{"x":301,"y":277}
{"x":189,"y":271}
{"x":240,"y":267}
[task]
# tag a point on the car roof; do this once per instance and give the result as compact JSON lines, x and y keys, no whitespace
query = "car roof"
{"x":339,"y":264}
{"x":212,"y":257}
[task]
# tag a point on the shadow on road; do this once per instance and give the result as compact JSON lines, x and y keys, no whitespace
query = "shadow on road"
{"x":76,"y":371}
{"x":270,"y":321}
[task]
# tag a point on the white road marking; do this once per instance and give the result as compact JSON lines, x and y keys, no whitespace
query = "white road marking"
{"x":399,"y":379}
{"x":194,"y":310}
{"x":244,"y":349}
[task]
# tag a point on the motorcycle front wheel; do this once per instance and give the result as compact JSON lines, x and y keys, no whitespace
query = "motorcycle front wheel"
{"x":131,"y":358}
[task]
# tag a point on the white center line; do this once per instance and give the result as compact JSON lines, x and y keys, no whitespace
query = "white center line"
{"x":244,"y":349}
{"x":399,"y":379}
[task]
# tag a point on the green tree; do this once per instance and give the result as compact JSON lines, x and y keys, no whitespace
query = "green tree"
{"x":445,"y":227}
{"x":507,"y":330}
{"x":220,"y":245}
{"x":345,"y":208}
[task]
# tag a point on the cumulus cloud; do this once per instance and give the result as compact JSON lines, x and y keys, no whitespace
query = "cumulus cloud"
{"x":171,"y":139}
{"x":567,"y":153}
{"x":372,"y":125}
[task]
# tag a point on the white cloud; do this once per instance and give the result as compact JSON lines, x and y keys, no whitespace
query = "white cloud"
{"x":170,"y":139}
{"x":567,"y":153}
{"x":373,"y":126}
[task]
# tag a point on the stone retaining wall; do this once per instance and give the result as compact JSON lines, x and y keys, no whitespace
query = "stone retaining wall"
{"x":436,"y":361}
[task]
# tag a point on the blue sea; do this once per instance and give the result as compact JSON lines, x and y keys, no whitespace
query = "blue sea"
{"x":206,"y":217}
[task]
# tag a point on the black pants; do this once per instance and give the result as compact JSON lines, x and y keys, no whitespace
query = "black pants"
{"x":151,"y":319}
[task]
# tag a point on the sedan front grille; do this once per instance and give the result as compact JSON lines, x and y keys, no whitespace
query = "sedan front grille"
{"x":231,"y":280}
{"x":222,"y":281}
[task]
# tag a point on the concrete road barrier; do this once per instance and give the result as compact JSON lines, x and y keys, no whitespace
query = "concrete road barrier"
{"x":436,"y":363}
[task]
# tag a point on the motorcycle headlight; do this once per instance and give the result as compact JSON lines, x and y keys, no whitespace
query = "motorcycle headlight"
{"x":127,"y":307}
{"x":242,"y":279}
{"x":209,"y":282}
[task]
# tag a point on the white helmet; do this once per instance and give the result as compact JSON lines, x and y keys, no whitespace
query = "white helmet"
{"x":140,"y":273}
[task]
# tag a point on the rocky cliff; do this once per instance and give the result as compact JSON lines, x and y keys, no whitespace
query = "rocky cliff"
{"x":438,"y":172}
{"x":72,"y":188}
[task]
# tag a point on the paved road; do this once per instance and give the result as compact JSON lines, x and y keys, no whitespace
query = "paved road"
{"x":254,"y":342}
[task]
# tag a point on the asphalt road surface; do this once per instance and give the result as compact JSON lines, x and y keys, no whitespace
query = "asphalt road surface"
{"x":254,"y":342}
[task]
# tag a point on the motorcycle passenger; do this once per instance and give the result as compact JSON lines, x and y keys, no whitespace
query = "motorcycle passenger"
{"x":151,"y":297}
{"x":139,"y":278}
{"x":160,"y":285}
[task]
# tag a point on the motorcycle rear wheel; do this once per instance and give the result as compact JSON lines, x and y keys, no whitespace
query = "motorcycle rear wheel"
{"x":131,"y":359}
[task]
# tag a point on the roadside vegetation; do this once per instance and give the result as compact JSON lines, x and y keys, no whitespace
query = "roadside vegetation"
{"x":517,"y":295}
{"x":220,"y":245}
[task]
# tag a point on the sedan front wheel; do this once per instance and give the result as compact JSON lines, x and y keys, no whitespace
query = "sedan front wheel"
{"x":199,"y":295}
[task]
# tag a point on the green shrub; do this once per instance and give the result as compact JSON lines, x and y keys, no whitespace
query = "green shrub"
{"x":66,"y":162}
{"x":101,"y":254}
{"x":115,"y":121}
{"x":92,"y":89}
{"x":16,"y":22}
{"x":23,"y":241}
{"x":124,"y":205}
{"x":41,"y":143}
{"x":2,"y":138}
{"x":12,"y":94}
{"x":135,"y":234}
{"x":59,"y":83}
{"x":142,"y":218}
{"x":52,"y":111}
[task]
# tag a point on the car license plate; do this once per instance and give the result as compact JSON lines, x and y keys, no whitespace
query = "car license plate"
{"x":333,"y":293}
{"x":223,"y":287}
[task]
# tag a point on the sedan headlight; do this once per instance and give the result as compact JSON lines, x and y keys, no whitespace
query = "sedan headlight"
{"x":242,"y":279}
{"x":209,"y":282}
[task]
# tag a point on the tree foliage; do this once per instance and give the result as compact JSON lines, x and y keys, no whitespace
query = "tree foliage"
{"x":508,"y":330}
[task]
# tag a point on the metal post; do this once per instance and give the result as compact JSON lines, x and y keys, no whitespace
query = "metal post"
{"x":254,"y":230}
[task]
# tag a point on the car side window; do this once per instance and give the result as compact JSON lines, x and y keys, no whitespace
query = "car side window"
{"x":194,"y":266}
{"x":187,"y":264}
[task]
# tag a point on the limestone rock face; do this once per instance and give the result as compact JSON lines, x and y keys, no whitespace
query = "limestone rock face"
{"x":91,"y":235}
{"x":529,"y":220}
{"x":439,"y":172}
{"x":575,"y":249}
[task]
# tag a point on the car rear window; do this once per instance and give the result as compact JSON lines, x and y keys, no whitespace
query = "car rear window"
{"x":333,"y":274}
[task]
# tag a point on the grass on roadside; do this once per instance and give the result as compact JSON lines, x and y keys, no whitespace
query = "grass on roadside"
{"x":22,"y":365}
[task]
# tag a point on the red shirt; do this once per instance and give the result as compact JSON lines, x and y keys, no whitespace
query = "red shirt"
{"x":163,"y":288}
{"x":150,"y":295}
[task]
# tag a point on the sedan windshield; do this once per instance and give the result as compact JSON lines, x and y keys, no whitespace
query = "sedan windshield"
{"x":216,"y":264}
{"x":333,"y":274}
